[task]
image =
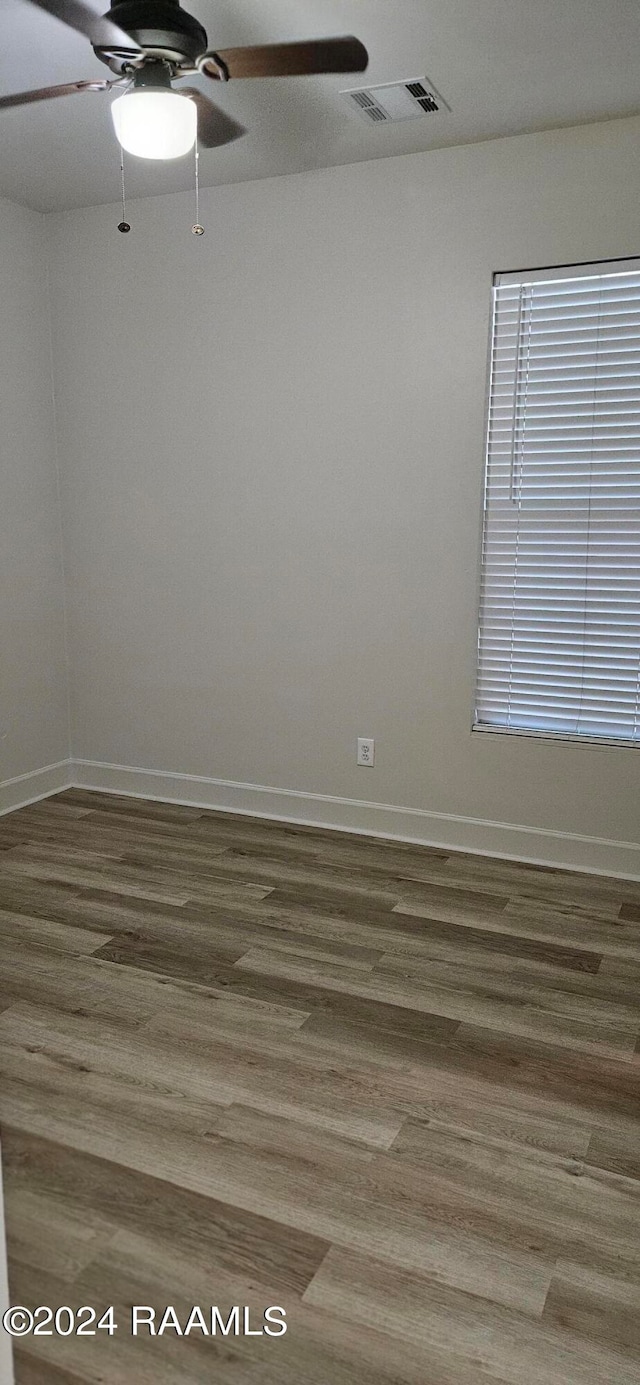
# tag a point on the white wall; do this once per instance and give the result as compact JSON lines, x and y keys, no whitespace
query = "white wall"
{"x":33,"y":678}
{"x":271,"y":440}
{"x":6,"y":1354}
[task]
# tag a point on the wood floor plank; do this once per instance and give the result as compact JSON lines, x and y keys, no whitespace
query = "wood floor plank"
{"x":615,"y":1035}
{"x":95,"y":988}
{"x":531,"y":882}
{"x":30,"y":1371}
{"x":203,"y":944}
{"x":158,"y":1071}
{"x":39,"y":974}
{"x":62,"y":1241}
{"x":557,"y":991}
{"x":316,"y":1349}
{"x":225,"y":931}
{"x":124,"y":838}
{"x":92,"y":876}
{"x":394,"y":1089}
{"x":280,"y":871}
{"x":138,"y":808}
{"x":302,"y":1199}
{"x":591,"y":1083}
{"x":504,"y":1343}
{"x":546,"y":1196}
{"x":64,"y":937}
{"x":285,"y":992}
{"x":130,"y":831}
{"x":115,"y":1196}
{"x":111,"y":872}
{"x":572,"y":927}
{"x":616,"y":1150}
{"x":440,"y":938}
{"x":119,"y":1359}
{"x":41,"y":1071}
{"x":604,"y":1308}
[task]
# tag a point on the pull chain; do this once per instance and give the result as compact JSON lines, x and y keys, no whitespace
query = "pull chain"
{"x":124,"y":224}
{"x":198,"y":230}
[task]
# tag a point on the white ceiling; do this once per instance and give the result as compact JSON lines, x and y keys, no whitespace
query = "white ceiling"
{"x":504,"y":66}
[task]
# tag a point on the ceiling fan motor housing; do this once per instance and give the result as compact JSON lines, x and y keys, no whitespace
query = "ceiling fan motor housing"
{"x":160,"y":27}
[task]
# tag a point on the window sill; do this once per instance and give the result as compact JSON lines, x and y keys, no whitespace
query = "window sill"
{"x":558,"y":737}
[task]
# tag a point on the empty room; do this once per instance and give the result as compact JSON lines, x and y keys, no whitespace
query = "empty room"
{"x":320,"y":692}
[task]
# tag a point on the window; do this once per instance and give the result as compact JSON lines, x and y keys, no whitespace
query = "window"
{"x":559,"y":638}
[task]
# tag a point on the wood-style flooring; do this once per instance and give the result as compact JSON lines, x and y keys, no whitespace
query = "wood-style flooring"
{"x":392,"y":1090}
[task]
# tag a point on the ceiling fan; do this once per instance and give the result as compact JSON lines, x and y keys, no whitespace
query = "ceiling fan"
{"x":149,"y":44}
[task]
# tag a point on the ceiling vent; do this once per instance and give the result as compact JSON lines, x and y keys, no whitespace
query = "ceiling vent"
{"x":408,"y":100}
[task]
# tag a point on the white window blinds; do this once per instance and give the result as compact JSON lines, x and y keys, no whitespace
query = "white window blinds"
{"x":559,"y":638}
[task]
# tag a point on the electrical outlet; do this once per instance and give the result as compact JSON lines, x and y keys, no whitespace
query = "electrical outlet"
{"x":366,"y":751}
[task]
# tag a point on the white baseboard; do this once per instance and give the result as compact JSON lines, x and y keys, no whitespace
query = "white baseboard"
{"x":537,"y":845}
{"x":39,"y":783}
{"x":511,"y":841}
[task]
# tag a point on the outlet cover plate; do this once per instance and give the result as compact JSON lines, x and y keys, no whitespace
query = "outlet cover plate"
{"x":366,"y":751}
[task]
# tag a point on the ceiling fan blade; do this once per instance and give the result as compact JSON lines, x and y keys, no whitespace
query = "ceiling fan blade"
{"x":102,"y":32}
{"x":215,"y":127}
{"x":23,"y":98}
{"x":289,"y":59}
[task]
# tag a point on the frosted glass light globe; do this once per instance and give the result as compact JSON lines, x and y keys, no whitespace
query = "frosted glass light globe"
{"x":155,"y":124}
